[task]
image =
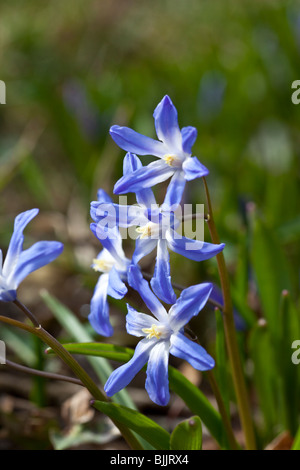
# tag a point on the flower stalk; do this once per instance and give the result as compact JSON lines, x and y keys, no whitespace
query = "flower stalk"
{"x":69,"y":360}
{"x":230,"y":335}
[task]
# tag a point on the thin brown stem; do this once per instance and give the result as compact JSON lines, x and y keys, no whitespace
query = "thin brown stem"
{"x":68,"y":359}
{"x":225,"y":419}
{"x":41,"y":373}
{"x":28,"y":313}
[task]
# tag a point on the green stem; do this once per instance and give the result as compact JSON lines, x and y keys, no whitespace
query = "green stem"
{"x":230,"y":335}
{"x":225,"y":419}
{"x":68,"y":359}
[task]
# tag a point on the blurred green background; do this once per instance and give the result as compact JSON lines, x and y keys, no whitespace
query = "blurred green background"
{"x":73,"y":69}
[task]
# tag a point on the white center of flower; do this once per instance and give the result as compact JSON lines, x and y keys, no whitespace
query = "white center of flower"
{"x":153,"y":332}
{"x":102,"y":265}
{"x":172,"y":160}
{"x":148,"y":230}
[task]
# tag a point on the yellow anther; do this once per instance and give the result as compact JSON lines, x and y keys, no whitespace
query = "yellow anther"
{"x":152,"y":332}
{"x":146,"y":230}
{"x":171,"y":160}
{"x":102,"y":265}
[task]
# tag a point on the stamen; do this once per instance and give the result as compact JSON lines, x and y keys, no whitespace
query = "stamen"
{"x":147,"y":230}
{"x":102,"y":265}
{"x":172,"y":160}
{"x":152,"y":332}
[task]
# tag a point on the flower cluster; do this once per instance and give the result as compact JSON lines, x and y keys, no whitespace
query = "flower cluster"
{"x":20,"y":263}
{"x":156,"y":228}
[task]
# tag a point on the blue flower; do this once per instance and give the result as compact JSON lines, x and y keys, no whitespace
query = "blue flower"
{"x":163,"y":335}
{"x":18,"y":262}
{"x":112,"y":262}
{"x":174,"y":149}
{"x":156,"y":228}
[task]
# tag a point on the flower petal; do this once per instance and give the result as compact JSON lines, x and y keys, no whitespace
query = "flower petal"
{"x":35,"y":257}
{"x":192,"y":249}
{"x":143,"y":246}
{"x":137,"y":321}
{"x":116,"y":287}
{"x":132,"y":141}
{"x":102,"y":196}
{"x":216,"y":296}
{"x":193,"y":169}
{"x":99,"y":316}
{"x":189,"y":304}
{"x":189,"y":135}
{"x":192,"y":352}
{"x":16,"y":241}
{"x":166,"y":124}
{"x":122,"y":376}
{"x":111,"y":240}
{"x":157,"y":382}
{"x":7,"y":295}
{"x":137,"y":282}
{"x":111,"y":215}
{"x":161,"y":281}
{"x":132,"y":163}
{"x":174,"y":191}
{"x":145,"y":177}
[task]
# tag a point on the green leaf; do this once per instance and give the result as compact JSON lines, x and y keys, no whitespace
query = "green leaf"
{"x":271,"y":271}
{"x":187,"y":435}
{"x":109,"y":351}
{"x":77,"y":331}
{"x":221,"y":369}
{"x":296,"y":443}
{"x":288,"y":331}
{"x":157,"y":436}
{"x":194,"y":398}
{"x":197,"y":402}
{"x":265,"y":376}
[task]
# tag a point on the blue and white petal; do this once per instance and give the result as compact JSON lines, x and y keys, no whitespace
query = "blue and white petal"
{"x":132,"y":163}
{"x":143,"y":246}
{"x":122,"y":376}
{"x":161,"y":280}
{"x":192,"y":249}
{"x":99,"y":315}
{"x":189,"y":135}
{"x":193,"y":169}
{"x":116,"y":287}
{"x":145,"y":177}
{"x":157,"y":382}
{"x":103,"y":197}
{"x":192,"y":352}
{"x":111,"y":240}
{"x":189,"y":304}
{"x":166,"y":124}
{"x":35,"y":257}
{"x":16,"y":241}
{"x":137,"y":282}
{"x":174,"y":192}
{"x":111,"y":215}
{"x":136,"y":322}
{"x":133,"y":142}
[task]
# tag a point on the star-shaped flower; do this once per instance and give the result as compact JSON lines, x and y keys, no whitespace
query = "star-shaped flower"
{"x":18,"y":262}
{"x":174,"y":150}
{"x":162,"y":335}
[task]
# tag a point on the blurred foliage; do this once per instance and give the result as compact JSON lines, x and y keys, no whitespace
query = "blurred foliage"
{"x":72,"y":69}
